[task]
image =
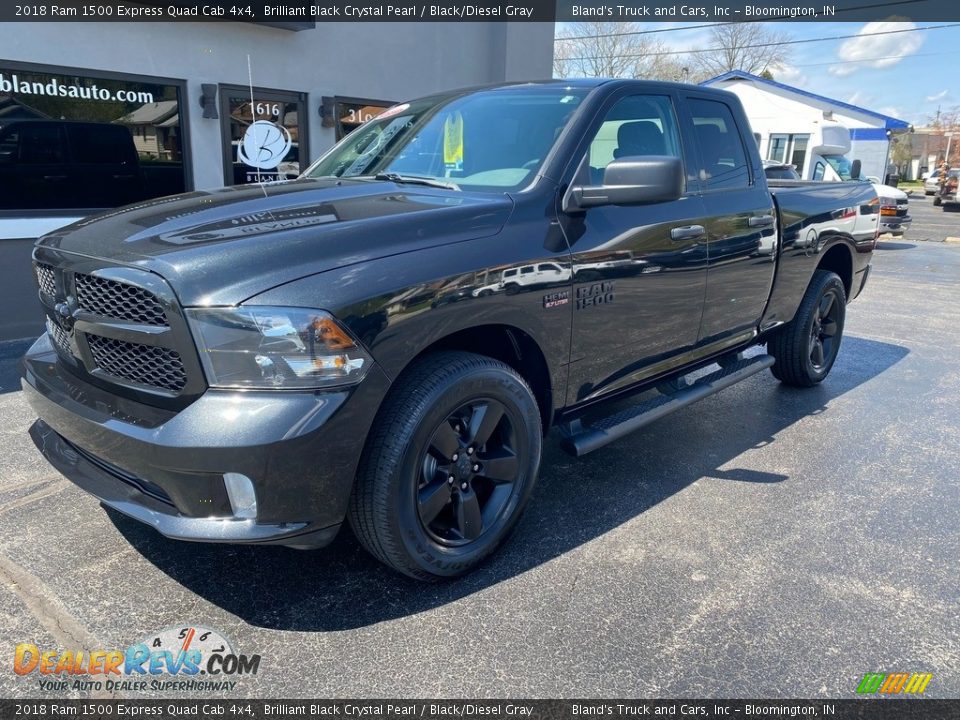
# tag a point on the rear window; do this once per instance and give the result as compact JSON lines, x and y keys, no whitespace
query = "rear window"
{"x":723,"y":160}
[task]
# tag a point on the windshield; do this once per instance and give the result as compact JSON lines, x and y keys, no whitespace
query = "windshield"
{"x":492,"y":140}
{"x":840,"y":164}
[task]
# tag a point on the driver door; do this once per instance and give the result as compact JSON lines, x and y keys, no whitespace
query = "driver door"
{"x":639,"y":272}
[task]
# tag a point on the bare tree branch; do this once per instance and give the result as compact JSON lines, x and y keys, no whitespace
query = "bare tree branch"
{"x":737,"y":48}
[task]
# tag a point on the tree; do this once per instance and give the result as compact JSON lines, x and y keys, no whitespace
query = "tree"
{"x":948,"y":122}
{"x":752,"y":47}
{"x":901,"y":153}
{"x":612,"y":49}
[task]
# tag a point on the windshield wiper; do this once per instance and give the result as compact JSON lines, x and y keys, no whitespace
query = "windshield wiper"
{"x":415,"y":180}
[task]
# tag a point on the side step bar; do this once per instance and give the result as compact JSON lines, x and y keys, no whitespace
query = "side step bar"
{"x":582,"y":439}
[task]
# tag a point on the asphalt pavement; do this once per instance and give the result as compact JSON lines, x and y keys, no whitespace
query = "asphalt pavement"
{"x":765,"y":542}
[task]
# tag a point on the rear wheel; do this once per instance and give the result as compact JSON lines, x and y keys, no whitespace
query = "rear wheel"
{"x":937,"y":200}
{"x":449,"y":466}
{"x":806,"y":347}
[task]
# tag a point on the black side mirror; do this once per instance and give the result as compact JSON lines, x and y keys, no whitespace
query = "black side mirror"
{"x":855,"y":170}
{"x":635,"y":180}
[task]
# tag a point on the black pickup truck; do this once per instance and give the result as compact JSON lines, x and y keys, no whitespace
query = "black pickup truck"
{"x":388,"y":339}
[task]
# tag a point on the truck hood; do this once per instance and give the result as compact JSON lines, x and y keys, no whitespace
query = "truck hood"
{"x":888,"y":191}
{"x":223,"y":246}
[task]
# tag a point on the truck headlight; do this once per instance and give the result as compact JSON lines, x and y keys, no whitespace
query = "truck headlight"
{"x":276,"y":347}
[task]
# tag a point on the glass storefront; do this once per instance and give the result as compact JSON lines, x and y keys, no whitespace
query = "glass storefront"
{"x":264,"y":135}
{"x":73,"y":139}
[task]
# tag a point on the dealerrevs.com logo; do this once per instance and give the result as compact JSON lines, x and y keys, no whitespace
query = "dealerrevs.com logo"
{"x":179,"y":658}
{"x":894,"y":683}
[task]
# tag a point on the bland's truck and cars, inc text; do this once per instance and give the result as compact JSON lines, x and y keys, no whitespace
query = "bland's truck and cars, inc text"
{"x":386,"y":340}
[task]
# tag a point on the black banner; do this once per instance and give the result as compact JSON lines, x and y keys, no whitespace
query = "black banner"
{"x":872,"y":709}
{"x":300,"y":14}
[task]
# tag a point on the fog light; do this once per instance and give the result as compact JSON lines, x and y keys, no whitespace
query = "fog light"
{"x":243,"y":499}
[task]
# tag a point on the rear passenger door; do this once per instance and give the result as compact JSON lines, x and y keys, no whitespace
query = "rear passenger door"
{"x":639,"y":270}
{"x":740,"y":221}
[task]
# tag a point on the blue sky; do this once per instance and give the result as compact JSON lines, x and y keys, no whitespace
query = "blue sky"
{"x":906,"y":75}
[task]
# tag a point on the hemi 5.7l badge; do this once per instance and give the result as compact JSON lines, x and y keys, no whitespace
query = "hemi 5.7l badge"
{"x":556,"y":299}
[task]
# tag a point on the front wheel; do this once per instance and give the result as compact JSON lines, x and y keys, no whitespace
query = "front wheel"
{"x":449,"y":466}
{"x":805,"y":348}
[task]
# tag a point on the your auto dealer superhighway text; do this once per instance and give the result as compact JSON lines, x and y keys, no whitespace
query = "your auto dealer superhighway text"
{"x":398,"y":11}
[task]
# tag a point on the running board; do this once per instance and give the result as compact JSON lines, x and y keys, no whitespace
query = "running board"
{"x":582,"y":439}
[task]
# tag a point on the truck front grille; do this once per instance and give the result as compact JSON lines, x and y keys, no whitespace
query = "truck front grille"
{"x":119,"y":325}
{"x":118,"y":300}
{"x":60,"y":337}
{"x":45,"y":279}
{"x":146,"y":364}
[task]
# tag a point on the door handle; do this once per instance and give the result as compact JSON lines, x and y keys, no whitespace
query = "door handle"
{"x":54,"y":177}
{"x":760,"y":221}
{"x":123,"y":177}
{"x":686,"y":232}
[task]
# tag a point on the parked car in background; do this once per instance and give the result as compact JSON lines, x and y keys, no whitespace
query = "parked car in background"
{"x":947,"y":195}
{"x":780,"y":171}
{"x":931,"y":183}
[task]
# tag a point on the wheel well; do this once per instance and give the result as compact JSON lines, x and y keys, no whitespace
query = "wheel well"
{"x":512,"y":346}
{"x":837,"y":259}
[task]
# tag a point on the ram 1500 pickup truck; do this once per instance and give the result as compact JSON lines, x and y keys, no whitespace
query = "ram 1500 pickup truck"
{"x":261,"y":364}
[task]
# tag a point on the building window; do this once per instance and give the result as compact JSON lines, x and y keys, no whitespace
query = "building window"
{"x":777,"y":149}
{"x":787,"y":148}
{"x":75,"y":139}
{"x":351,"y":113}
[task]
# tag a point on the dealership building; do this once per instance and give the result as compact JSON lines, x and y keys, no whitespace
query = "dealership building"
{"x":203,"y":105}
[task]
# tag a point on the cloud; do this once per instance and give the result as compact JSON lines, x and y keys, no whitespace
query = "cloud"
{"x":860,"y":98}
{"x":789,"y":75}
{"x":870,"y":50}
{"x":939,"y":96}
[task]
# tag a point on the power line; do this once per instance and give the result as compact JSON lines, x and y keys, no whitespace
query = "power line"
{"x":862,"y":60}
{"x":769,"y":44}
{"x":640,"y":32}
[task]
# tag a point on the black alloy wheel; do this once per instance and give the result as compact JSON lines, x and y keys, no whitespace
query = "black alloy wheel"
{"x":449,"y":465}
{"x":823,"y":331}
{"x":806,"y":347}
{"x":469,"y":472}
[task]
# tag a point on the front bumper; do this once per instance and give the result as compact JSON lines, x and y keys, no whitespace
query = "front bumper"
{"x":894,"y":225}
{"x":165,"y":468}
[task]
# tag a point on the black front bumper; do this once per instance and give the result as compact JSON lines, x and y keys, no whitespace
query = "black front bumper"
{"x":165,"y":468}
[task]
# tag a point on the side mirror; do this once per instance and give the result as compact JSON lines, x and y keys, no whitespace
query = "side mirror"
{"x":7,"y":156}
{"x":855,"y":170}
{"x":635,"y":180}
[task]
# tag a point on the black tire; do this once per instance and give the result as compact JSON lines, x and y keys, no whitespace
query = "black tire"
{"x":447,"y":399}
{"x":806,"y":347}
{"x":937,"y":200}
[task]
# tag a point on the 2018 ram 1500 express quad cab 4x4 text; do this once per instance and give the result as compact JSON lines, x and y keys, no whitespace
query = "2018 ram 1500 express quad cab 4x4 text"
{"x":259,"y":364}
